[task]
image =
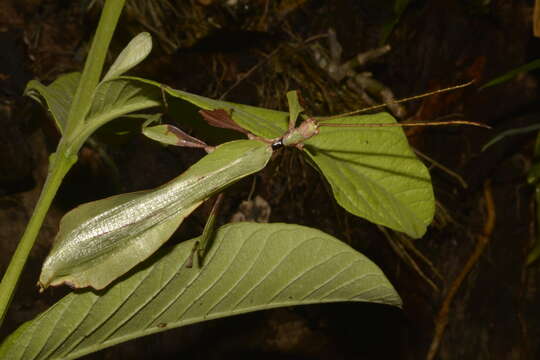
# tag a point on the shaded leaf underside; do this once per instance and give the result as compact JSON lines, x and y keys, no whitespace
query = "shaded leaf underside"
{"x":374,"y":173}
{"x":250,"y":267}
{"x":57,"y":96}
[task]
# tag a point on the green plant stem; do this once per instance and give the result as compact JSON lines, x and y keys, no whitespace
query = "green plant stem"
{"x":66,"y":154}
{"x":93,"y":66}
{"x":58,"y":169}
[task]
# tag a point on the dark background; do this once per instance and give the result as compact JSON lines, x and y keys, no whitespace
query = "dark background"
{"x":205,"y":47}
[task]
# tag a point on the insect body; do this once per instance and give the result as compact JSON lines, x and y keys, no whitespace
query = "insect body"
{"x":132,"y":226}
{"x":381,"y":181}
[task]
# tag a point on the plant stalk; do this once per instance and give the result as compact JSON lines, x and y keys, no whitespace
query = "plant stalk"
{"x":58,"y":169}
{"x":66,"y":154}
{"x":93,"y":66}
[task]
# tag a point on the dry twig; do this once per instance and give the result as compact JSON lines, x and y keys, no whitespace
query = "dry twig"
{"x":483,"y":239}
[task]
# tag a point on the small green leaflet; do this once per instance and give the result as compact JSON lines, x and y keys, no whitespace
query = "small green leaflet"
{"x":295,"y":108}
{"x":111,"y":98}
{"x":136,"y":51}
{"x":56,"y":97}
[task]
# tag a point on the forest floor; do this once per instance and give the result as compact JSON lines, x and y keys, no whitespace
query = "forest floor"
{"x":253,"y":52}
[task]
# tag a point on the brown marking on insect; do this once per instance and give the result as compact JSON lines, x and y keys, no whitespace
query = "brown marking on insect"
{"x":222,"y":119}
{"x":184,"y":139}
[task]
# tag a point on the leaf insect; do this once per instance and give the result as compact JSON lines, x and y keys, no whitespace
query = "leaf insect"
{"x":308,"y":128}
{"x":296,"y":136}
{"x":99,"y":241}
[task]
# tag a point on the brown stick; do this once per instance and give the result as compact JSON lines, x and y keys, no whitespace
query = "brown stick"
{"x":483,"y":239}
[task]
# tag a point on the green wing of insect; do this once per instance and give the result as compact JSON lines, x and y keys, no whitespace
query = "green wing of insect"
{"x":295,"y":108}
{"x":100,"y":241}
{"x":207,"y":237}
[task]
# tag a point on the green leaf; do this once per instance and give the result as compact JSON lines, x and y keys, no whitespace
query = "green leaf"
{"x":161,"y":133}
{"x":250,"y":267}
{"x":294,"y":106}
{"x":510,"y":132}
{"x":171,"y":135}
{"x":535,"y":64}
{"x":112,"y":99}
{"x":56,"y":97}
{"x":259,"y":121}
{"x":117,"y":97}
{"x":399,"y":8}
{"x":101,"y":240}
{"x":136,"y":51}
{"x":374,"y":174}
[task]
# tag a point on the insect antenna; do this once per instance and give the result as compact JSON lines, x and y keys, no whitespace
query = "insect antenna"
{"x":411,"y":98}
{"x":408,"y":124}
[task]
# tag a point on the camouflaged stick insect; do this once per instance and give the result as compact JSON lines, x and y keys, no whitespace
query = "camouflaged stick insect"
{"x":296,"y":136}
{"x":308,"y":128}
{"x":99,"y":241}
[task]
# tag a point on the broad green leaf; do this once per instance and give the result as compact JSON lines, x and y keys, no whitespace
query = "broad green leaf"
{"x":259,"y":121}
{"x":374,"y":174}
{"x":135,"y":52}
{"x":101,"y":240}
{"x":250,"y":267}
{"x":56,"y":97}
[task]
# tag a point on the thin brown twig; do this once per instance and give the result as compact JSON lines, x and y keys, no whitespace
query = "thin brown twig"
{"x":483,"y":239}
{"x":437,"y":164}
{"x":401,"y":251}
{"x":409,"y":246}
{"x":315,"y":38}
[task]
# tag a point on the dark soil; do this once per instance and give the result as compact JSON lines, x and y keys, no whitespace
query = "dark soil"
{"x":205,"y":47}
